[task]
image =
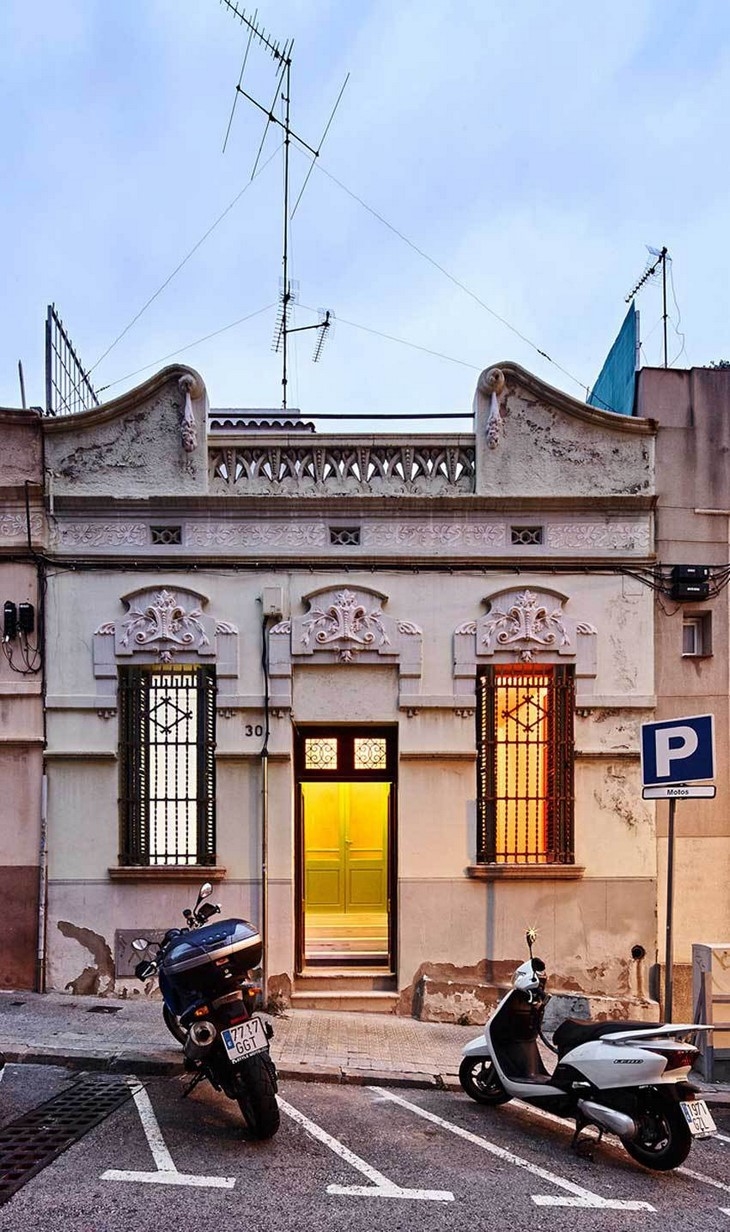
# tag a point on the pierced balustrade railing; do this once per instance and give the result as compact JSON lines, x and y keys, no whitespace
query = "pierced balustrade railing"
{"x":422,"y":466}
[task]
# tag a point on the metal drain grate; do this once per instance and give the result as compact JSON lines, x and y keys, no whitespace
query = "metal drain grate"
{"x":34,"y":1140}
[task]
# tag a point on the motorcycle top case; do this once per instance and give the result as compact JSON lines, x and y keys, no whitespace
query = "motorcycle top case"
{"x":196,"y":959}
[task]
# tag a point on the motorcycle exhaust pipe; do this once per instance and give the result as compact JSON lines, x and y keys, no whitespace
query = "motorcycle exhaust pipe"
{"x":608,"y":1118}
{"x":201,"y":1037}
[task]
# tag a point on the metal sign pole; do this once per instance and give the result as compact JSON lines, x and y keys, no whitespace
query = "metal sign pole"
{"x":668,"y":958}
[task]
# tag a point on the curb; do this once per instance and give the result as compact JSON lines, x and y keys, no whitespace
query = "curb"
{"x":167,"y":1064}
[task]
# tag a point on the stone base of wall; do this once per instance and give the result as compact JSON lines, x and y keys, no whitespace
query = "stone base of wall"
{"x":466,"y":1001}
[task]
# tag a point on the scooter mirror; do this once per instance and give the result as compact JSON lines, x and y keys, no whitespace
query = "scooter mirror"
{"x":140,"y":944}
{"x":205,"y":891}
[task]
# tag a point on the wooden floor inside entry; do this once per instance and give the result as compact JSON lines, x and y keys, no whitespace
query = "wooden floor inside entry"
{"x":352,"y":936}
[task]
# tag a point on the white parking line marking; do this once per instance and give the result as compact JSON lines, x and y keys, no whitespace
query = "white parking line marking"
{"x":614,"y":1141}
{"x":167,"y":1173}
{"x":580,"y":1196}
{"x":381,"y":1186}
{"x":706,"y":1180}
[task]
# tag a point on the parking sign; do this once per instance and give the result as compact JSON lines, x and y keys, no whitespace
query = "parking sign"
{"x":676,"y":751}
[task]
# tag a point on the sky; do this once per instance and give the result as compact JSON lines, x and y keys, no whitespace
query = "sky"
{"x":487,"y":191}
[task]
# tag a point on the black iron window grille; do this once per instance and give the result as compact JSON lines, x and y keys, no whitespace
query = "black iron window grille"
{"x":345,"y":536}
{"x":166,"y":535}
{"x":526,"y":536}
{"x":167,"y":765}
{"x":525,"y":765}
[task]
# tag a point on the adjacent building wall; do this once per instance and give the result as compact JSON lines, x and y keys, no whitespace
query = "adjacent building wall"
{"x":21,"y":703}
{"x":692,"y":409}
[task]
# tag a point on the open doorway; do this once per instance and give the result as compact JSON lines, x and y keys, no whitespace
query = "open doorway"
{"x":346,"y":847}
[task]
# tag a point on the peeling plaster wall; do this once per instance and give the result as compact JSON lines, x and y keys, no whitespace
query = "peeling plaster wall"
{"x":132,"y":446}
{"x":559,"y":446}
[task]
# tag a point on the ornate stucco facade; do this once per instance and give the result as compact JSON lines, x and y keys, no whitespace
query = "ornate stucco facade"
{"x":378,"y":578}
{"x":400,"y":567}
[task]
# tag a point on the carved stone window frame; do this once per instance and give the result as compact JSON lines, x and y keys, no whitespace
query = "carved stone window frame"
{"x":345,"y":625}
{"x":526,"y":624}
{"x":163,"y":624}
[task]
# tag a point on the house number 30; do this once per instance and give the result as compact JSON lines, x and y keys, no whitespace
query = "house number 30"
{"x":253,"y":729}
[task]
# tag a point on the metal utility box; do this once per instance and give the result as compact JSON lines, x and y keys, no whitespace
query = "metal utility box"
{"x":711,"y":1000}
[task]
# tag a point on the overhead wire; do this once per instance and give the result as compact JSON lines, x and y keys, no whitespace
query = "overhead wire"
{"x":184,"y":261}
{"x":187,"y":347}
{"x":392,"y":338}
{"x":447,"y":274}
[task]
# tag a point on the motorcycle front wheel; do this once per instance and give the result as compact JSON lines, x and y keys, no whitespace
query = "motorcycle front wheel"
{"x":664,"y":1137}
{"x":255,"y":1094}
{"x":479,"y":1079}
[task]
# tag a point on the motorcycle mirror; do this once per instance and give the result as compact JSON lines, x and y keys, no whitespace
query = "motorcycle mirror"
{"x":140,"y":944}
{"x":205,"y":891}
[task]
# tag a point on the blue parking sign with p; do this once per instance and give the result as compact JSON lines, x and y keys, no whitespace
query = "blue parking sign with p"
{"x":678,"y":751}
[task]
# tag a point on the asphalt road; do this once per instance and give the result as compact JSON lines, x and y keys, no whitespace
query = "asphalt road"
{"x":364,"y":1158}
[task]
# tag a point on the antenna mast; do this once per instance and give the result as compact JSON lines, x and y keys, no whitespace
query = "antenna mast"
{"x":662,"y":256}
{"x":282,"y":56}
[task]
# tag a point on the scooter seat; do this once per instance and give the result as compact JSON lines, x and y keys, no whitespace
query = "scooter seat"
{"x":575,"y":1031}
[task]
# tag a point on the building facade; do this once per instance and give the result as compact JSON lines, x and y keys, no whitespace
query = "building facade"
{"x":692,"y":408}
{"x":385,"y":689}
{"x":22,"y":847}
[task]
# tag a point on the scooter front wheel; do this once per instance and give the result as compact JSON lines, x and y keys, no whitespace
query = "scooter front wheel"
{"x":664,"y":1139}
{"x":478,"y":1077}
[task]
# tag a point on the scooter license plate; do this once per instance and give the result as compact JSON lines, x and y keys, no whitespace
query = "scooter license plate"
{"x":244,"y":1040}
{"x":699,"y":1118}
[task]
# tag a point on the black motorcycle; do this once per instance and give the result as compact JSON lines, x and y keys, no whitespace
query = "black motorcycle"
{"x":204,"y":972}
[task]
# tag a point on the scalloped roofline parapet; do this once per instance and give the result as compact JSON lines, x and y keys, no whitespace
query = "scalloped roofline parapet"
{"x":513,"y":372}
{"x":126,"y":402}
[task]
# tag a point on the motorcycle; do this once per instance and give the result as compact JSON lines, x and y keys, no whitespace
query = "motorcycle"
{"x":208,"y":1005}
{"x":627,"y":1077}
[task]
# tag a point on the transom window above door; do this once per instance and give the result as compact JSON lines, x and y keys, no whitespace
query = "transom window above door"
{"x":346,"y":753}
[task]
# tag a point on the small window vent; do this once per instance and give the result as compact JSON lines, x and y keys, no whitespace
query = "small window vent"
{"x":166,"y":535}
{"x":526,"y":536}
{"x":345,"y":536}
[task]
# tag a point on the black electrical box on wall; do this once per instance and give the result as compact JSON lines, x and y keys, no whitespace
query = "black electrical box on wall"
{"x":689,"y":582}
{"x":26,"y":617}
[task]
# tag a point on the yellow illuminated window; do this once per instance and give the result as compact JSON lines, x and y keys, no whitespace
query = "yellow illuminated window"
{"x":370,"y":754}
{"x":321,"y":753}
{"x":525,"y":766}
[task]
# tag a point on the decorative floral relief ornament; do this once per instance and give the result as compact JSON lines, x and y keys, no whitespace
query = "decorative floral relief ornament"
{"x":492,"y":382}
{"x":346,"y":620}
{"x":166,"y":623}
{"x":188,"y":430}
{"x":523,"y":624}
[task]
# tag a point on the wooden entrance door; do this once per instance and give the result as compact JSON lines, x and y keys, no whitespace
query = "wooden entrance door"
{"x":346,"y":847}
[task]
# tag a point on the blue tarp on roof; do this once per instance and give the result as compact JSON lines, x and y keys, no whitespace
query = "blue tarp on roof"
{"x":614,"y":389}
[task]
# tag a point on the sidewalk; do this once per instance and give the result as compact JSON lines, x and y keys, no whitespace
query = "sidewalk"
{"x":129,"y":1036}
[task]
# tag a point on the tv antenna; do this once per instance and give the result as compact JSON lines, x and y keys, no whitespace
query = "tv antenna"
{"x":661,"y":256}
{"x":282,"y":56}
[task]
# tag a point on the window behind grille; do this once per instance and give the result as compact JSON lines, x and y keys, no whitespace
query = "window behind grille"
{"x":525,"y":765}
{"x":167,"y":765}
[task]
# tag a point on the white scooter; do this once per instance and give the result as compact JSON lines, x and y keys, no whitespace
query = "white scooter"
{"x":627,"y":1077}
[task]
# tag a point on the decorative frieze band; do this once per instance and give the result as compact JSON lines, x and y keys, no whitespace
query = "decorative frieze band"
{"x":15,"y":525}
{"x":460,"y":537}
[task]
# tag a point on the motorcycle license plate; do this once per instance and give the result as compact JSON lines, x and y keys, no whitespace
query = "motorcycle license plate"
{"x":699,"y":1118}
{"x":244,"y":1040}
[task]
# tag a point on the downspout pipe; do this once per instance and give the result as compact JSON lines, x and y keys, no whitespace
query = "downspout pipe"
{"x":265,"y":816}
